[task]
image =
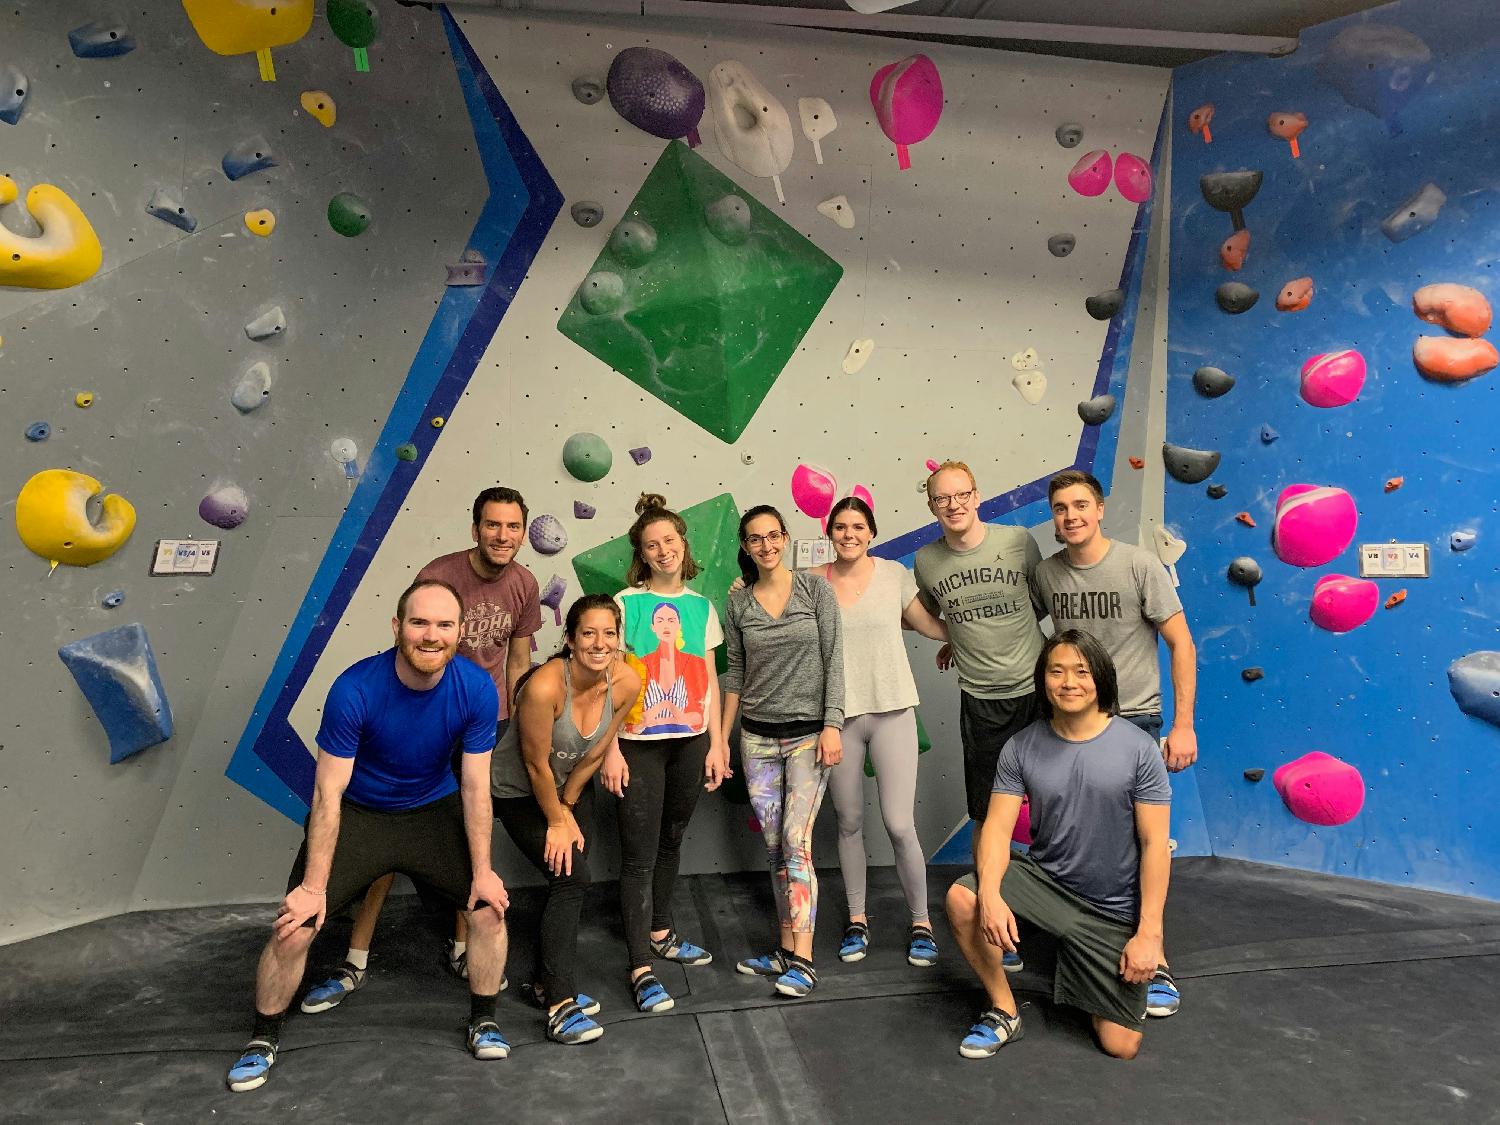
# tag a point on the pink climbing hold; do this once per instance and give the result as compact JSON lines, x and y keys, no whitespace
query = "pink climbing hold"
{"x":1133,"y":177}
{"x":1320,"y":789}
{"x":1314,"y":524}
{"x":862,"y":493}
{"x":1021,"y":833}
{"x":1090,"y":176}
{"x":1333,"y":378}
{"x":932,"y":466}
{"x":1341,"y":604}
{"x":813,"y":490}
{"x":908,"y":100}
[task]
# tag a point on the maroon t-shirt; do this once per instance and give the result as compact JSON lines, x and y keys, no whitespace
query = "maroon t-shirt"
{"x":494,"y":612}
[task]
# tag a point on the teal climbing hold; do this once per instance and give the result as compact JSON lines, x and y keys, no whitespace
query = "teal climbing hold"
{"x":587,"y":457}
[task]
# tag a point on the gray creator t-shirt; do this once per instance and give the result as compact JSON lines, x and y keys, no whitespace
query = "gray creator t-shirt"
{"x":1083,"y":798}
{"x":985,"y":597}
{"x":1121,"y":600}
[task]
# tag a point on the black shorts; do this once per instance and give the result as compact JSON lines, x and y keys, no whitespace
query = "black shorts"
{"x":985,"y":726}
{"x":426,"y":844}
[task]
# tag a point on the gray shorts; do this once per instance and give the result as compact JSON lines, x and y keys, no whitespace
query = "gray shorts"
{"x":1089,"y":942}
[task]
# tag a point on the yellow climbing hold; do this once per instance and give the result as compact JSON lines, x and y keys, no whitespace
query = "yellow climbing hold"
{"x":52,"y":518}
{"x":437,"y":423}
{"x":237,"y":27}
{"x":65,"y":253}
{"x":84,"y":399}
{"x":260,"y":222}
{"x":321,"y":107}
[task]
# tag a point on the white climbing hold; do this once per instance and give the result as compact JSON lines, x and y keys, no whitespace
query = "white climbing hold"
{"x":858,"y":355}
{"x":817,"y":122}
{"x":1026,"y":361}
{"x":838,"y":209}
{"x":267,"y":324}
{"x":1031,"y":384}
{"x":753,"y":127}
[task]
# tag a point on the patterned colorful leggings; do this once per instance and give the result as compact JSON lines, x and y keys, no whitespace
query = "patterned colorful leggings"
{"x":786,"y":785}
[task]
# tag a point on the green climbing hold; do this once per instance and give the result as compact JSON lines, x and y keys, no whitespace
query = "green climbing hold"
{"x":708,"y":318}
{"x":587,"y":457}
{"x":924,"y":740}
{"x":348,"y":214}
{"x":602,"y":292}
{"x":357,"y":24}
{"x":406,"y":452}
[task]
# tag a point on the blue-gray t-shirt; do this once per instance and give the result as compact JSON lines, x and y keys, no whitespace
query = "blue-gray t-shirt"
{"x":1083,"y":798}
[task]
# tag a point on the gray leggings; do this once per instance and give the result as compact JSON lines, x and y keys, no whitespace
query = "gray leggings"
{"x":891,"y":739}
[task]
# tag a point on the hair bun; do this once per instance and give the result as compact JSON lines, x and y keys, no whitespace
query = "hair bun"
{"x":648,"y":501}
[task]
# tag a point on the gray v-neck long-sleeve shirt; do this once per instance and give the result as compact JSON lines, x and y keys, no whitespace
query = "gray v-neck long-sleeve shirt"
{"x":790,"y":668}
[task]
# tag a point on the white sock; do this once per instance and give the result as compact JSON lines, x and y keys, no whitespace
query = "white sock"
{"x":359,"y":958}
{"x":458,"y":948}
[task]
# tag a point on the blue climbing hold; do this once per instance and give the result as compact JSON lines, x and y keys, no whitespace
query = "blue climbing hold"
{"x":15,"y":88}
{"x":1474,"y":681}
{"x":1463,"y":539}
{"x":113,"y":599}
{"x":38,"y":431}
{"x":1268,"y":435}
{"x":116,"y":671}
{"x":1378,"y":68}
{"x":253,"y":155}
{"x":101,"y":40}
{"x":168,"y":208}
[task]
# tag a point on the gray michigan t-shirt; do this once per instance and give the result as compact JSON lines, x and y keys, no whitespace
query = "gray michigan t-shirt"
{"x":984,"y":595}
{"x":1121,"y":600}
{"x":1083,"y":798}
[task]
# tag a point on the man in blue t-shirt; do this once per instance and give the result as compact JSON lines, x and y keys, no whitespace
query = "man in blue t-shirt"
{"x":385,"y":799}
{"x":1096,"y":876}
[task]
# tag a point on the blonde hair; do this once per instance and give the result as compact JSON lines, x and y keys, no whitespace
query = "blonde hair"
{"x":944,"y":467}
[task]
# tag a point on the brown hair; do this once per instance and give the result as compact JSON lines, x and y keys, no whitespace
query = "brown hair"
{"x":649,"y":508}
{"x":946,"y":465}
{"x":1068,"y":478}
{"x":419,"y":584}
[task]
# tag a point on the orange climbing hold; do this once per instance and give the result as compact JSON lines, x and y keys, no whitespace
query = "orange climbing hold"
{"x":1446,"y":360}
{"x":1233,"y":250}
{"x":1198,"y":121}
{"x":1288,"y":126}
{"x":1137,"y":463}
{"x":1245,"y":518}
{"x":1295,"y":295}
{"x":1395,"y":599}
{"x":1454,"y":307}
{"x":1394,"y":483}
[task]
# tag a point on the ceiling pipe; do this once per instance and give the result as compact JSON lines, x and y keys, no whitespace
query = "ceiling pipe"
{"x":949,"y":26}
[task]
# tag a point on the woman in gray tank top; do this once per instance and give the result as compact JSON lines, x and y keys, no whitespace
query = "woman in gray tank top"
{"x":568,"y":711}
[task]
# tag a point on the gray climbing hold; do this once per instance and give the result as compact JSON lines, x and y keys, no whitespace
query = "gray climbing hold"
{"x":225,"y":507}
{"x":1235,"y":297}
{"x":587,"y":213}
{"x":38,"y":431}
{"x":1245,"y":571}
{"x":729,"y":219}
{"x":1254,"y":774}
{"x":602,"y":292}
{"x":469,"y":271}
{"x":1068,"y":135}
{"x":1061,"y":245}
{"x":246,"y":157}
{"x":116,"y":671}
{"x":1103,"y":306}
{"x":1253,"y":673}
{"x":589,"y":91}
{"x":1268,"y":435}
{"x":1097,"y":410}
{"x":633,"y":241}
{"x":1231,"y":192}
{"x":1474,"y":681}
{"x":1217,"y":492}
{"x":113,"y":600}
{"x":101,"y":40}
{"x":270,"y":323}
{"x":1212,"y":382}
{"x":547,"y":535}
{"x":1190,"y":466}
{"x":253,"y":388}
{"x":1463,"y":539}
{"x":1415,"y":215}
{"x":582,"y":511}
{"x":168,"y":208}
{"x":15,"y":88}
{"x":641,"y":454}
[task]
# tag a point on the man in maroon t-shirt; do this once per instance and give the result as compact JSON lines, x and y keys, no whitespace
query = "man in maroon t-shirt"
{"x":502,"y":611}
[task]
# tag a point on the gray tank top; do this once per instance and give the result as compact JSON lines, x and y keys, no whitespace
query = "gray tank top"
{"x":508,"y":776}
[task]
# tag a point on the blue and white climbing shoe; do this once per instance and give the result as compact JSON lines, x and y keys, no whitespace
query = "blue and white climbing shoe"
{"x":856,"y":942}
{"x":650,"y":995}
{"x":331,"y":993}
{"x":673,"y":948}
{"x":571,"y":1027}
{"x":922,"y":950}
{"x":1163,"y":997}
{"x":486,"y":1042}
{"x":250,"y":1070}
{"x":1012,"y":962}
{"x":798,"y":980}
{"x":994,"y":1030}
{"x":771,"y":964}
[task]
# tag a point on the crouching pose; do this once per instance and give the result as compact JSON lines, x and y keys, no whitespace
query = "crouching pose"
{"x":1096,"y":876}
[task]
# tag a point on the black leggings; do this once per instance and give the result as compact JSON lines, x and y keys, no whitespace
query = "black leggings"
{"x":557,"y":951}
{"x":666,"y":779}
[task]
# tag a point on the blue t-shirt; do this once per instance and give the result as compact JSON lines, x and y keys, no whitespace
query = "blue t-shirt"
{"x":401,"y":740}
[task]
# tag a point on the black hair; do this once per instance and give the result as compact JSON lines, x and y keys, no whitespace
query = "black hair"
{"x":851,"y":503}
{"x":1095,"y":655}
{"x":500,"y":495}
{"x":650,"y":508}
{"x":570,"y":626}
{"x":748,"y":570}
{"x":419,"y":584}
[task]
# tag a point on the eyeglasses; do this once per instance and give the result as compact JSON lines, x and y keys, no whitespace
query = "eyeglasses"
{"x":770,"y":539}
{"x":956,"y":500}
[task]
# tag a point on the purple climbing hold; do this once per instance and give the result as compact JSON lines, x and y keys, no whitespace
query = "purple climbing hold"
{"x":641,"y":454}
{"x":656,"y":93}
{"x":552,"y":596}
{"x":225,"y":507}
{"x":582,"y":511}
{"x":547,"y":535}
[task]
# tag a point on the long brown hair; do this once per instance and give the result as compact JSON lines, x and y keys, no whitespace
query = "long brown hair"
{"x":649,"y":508}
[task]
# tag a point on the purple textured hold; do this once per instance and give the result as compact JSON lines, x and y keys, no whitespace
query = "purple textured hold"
{"x":641,"y":454}
{"x":552,"y":596}
{"x":225,"y":507}
{"x":547,"y":535}
{"x":582,"y":511}
{"x":656,"y":93}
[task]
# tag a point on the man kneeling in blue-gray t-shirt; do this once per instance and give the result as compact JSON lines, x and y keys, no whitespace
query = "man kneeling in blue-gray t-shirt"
{"x":1096,"y":876}
{"x":385,"y":799}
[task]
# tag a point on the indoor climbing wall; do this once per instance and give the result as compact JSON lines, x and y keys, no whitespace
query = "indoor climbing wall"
{"x":1335,"y":225}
